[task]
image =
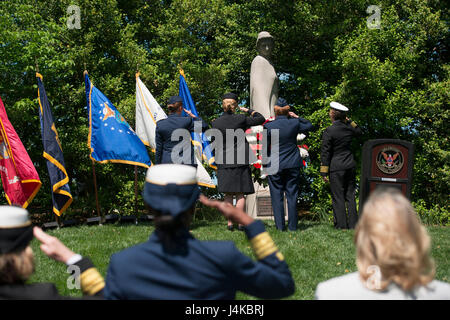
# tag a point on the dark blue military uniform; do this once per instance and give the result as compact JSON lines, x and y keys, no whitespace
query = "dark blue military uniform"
{"x":285,"y":179}
{"x":164,"y":144}
{"x":337,"y":161}
{"x":199,"y":269}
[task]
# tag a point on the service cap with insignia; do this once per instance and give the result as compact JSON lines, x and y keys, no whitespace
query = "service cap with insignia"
{"x":174,"y":99}
{"x":16,"y":231}
{"x":337,"y":106}
{"x":171,"y":189}
{"x":230,"y":95}
{"x":281,"y":102}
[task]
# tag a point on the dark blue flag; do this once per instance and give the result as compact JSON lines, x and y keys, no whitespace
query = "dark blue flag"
{"x":59,"y":179}
{"x":200,"y":141}
{"x":111,"y":139}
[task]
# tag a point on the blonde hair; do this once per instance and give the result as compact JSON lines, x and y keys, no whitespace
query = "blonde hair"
{"x":16,"y":267}
{"x":390,"y":236}
{"x":281,"y":111}
{"x":228,"y":105}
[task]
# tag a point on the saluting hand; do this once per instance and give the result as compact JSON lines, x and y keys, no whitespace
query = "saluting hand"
{"x":52,"y":246}
{"x":189,"y":113}
{"x":228,"y":210}
{"x":293,"y":115}
{"x":244,"y":109}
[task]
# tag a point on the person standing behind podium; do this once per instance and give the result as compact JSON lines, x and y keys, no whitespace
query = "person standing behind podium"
{"x":234,"y":177}
{"x":337,"y":162}
{"x":165,"y":129}
{"x":287,"y":162}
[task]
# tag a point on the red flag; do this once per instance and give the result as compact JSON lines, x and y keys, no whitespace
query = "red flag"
{"x":19,"y":177}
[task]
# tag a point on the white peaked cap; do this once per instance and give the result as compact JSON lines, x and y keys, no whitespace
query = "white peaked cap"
{"x":13,"y":217}
{"x":338,"y":106}
{"x":179,"y":174}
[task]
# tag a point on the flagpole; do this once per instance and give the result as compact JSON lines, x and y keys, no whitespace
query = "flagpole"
{"x":135,"y":189}
{"x":95,"y":187}
{"x":135,"y":169}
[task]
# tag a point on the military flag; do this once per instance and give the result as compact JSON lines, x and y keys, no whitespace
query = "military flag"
{"x":148,"y":112}
{"x":200,"y":141}
{"x":61,"y":196}
{"x":111,"y":139}
{"x":19,"y":177}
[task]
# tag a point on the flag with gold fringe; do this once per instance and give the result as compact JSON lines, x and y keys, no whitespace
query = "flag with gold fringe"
{"x":111,"y":139}
{"x":59,"y":179}
{"x":19,"y":176}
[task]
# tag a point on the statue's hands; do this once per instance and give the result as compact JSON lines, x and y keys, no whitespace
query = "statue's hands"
{"x":243,"y":109}
{"x":228,"y":210}
{"x":189,"y":113}
{"x":293,"y":115}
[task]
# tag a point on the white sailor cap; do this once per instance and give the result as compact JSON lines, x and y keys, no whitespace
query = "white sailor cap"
{"x":337,"y":106}
{"x":171,"y":188}
{"x":16,"y":230}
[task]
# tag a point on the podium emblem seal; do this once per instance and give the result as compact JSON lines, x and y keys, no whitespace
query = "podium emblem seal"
{"x":390,"y":160}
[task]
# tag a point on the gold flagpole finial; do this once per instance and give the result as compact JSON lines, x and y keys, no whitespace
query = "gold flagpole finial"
{"x":38,"y":75}
{"x":182,"y":72}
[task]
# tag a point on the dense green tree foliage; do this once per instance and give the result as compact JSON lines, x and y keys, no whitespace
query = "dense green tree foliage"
{"x":395,"y":79}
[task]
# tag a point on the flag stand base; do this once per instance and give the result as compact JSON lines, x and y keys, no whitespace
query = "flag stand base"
{"x":93,"y":220}
{"x":50,"y":225}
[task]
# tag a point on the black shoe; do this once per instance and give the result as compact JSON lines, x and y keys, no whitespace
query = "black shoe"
{"x":230,"y":228}
{"x":241,"y":228}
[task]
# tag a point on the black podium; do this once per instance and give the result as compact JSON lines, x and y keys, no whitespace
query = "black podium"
{"x":386,"y":163}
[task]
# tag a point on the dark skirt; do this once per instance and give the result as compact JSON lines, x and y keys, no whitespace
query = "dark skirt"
{"x":237,"y":180}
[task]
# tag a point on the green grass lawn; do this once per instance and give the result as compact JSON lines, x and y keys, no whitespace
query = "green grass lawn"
{"x":314,"y":253}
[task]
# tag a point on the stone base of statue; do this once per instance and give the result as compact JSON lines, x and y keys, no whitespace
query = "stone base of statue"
{"x":259,"y":204}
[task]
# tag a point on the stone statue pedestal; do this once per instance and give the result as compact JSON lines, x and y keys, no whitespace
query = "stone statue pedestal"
{"x":259,"y":204}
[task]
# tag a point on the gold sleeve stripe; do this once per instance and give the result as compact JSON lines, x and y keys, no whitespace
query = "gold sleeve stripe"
{"x":280,"y":256}
{"x":324,"y":169}
{"x":264,"y":246}
{"x":91,"y":281}
{"x":353,"y":124}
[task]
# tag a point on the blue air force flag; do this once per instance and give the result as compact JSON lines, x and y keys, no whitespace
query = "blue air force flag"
{"x":111,"y":139}
{"x":201,"y":142}
{"x":59,"y":179}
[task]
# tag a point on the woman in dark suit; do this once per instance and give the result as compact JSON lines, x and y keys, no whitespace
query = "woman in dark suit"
{"x":285,"y":163}
{"x":233,"y":157}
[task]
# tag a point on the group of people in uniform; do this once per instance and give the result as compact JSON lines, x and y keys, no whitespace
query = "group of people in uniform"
{"x":393,"y":261}
{"x":174,"y":265}
{"x":283,"y":163}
